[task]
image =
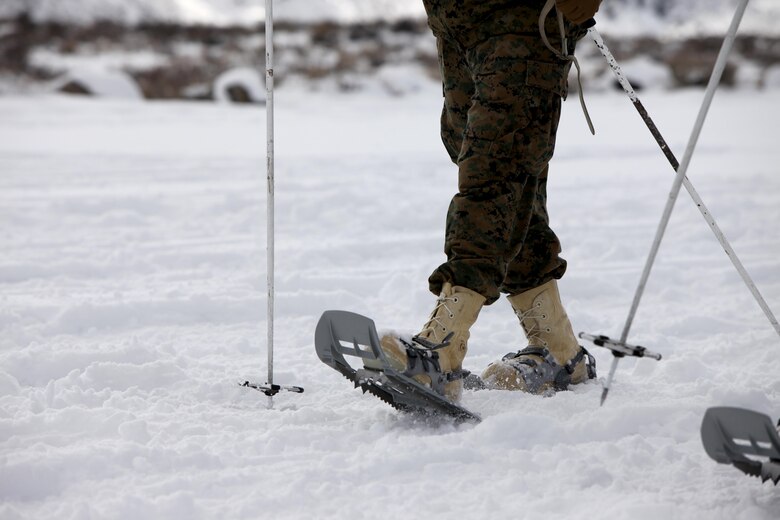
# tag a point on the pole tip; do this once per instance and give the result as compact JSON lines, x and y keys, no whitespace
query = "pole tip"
{"x":604,"y":395}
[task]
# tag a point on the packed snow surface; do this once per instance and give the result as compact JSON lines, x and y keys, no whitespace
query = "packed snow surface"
{"x":133,"y":297}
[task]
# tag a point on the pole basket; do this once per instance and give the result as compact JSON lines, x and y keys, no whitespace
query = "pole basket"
{"x":270,"y":389}
{"x":619,"y":348}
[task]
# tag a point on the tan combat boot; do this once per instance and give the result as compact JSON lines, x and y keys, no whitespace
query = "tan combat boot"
{"x":553,"y":359}
{"x":456,"y":311}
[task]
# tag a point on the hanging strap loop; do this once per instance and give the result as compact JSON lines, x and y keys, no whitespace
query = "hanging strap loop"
{"x":563,"y":54}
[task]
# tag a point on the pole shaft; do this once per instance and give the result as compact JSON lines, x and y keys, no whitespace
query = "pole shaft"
{"x":269,"y":85}
{"x":612,"y":369}
{"x":623,"y":80}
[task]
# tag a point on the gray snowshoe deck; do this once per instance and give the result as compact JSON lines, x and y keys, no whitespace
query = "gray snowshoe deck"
{"x":744,"y":438}
{"x":341,"y":335}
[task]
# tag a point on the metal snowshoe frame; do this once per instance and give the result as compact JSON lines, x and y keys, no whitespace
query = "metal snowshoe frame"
{"x":743,"y":438}
{"x":619,"y":347}
{"x":341,"y":335}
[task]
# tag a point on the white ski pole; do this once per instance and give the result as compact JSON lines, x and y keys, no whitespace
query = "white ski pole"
{"x":270,"y":389}
{"x":269,"y":118}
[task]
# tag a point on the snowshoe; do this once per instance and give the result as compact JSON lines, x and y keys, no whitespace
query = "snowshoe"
{"x":746,"y":439}
{"x":341,"y":335}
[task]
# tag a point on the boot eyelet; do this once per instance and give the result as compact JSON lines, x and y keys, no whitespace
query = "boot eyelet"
{"x":548,"y":329}
{"x":452,"y":315}
{"x":544,"y":316}
{"x":455,"y":299}
{"x":538,"y":304}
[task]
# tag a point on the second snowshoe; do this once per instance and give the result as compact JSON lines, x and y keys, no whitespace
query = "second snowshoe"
{"x":746,"y":439}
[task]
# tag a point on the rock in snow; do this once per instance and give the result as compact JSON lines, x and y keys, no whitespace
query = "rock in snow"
{"x":240,"y":85}
{"x":98,"y":81}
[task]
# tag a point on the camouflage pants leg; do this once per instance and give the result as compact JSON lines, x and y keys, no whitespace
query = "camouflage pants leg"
{"x":501,"y":110}
{"x":538,"y":260}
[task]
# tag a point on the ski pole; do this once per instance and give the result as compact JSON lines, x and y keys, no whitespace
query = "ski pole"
{"x":270,"y":389}
{"x":269,"y":121}
{"x":681,"y":179}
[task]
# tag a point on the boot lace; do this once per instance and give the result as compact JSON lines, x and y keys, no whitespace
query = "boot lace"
{"x":532,"y":323}
{"x":436,"y":318}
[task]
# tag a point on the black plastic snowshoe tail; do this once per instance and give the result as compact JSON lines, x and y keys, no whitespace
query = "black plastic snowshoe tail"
{"x":341,"y":335}
{"x":746,"y":439}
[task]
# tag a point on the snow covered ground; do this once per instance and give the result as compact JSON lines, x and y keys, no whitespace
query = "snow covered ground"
{"x":132,"y":299}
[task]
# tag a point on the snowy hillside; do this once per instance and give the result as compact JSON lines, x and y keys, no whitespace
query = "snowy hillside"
{"x":620,"y":17}
{"x":132,"y":299}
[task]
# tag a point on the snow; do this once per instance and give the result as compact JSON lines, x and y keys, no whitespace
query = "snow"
{"x":132,"y":290}
{"x":100,"y":81}
{"x":651,"y":74}
{"x":95,"y":58}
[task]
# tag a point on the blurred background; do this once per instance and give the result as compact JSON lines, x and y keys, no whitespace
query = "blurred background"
{"x":214,"y":49}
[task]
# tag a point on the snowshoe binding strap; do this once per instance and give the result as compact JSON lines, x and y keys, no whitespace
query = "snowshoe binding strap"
{"x":423,"y":359}
{"x":428,"y":344}
{"x":540,"y":370}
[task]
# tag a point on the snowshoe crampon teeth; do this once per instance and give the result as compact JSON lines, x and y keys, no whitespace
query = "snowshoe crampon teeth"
{"x":341,"y":335}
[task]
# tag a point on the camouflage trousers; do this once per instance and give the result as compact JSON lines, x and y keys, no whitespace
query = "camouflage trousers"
{"x":502,"y":102}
